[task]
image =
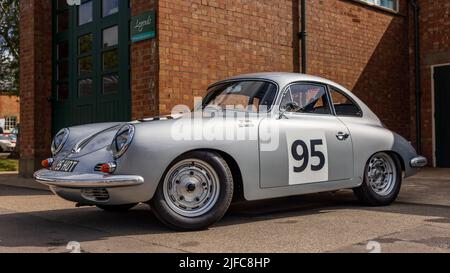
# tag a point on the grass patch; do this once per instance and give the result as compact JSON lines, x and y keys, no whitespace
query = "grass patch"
{"x":8,"y":165}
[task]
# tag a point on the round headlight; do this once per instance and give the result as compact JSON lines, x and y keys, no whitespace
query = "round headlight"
{"x":59,"y":140}
{"x":122,"y":140}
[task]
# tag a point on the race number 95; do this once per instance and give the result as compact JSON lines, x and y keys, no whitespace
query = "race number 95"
{"x":305,"y":155}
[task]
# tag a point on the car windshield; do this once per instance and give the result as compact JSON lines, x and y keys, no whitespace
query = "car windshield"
{"x":249,"y":96}
{"x":3,"y":137}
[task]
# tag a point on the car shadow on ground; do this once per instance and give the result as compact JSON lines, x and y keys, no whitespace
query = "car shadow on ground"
{"x":16,"y":191}
{"x":54,"y":228}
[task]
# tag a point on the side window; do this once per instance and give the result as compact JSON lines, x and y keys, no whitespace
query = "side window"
{"x":310,"y":98}
{"x":343,"y":105}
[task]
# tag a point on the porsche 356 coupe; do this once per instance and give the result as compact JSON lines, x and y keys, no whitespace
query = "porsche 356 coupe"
{"x":301,"y":134}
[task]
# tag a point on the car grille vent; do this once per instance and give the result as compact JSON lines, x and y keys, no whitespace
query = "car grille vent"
{"x":99,"y":195}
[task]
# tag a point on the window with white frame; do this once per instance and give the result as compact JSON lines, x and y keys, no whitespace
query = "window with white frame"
{"x":388,"y":4}
{"x":10,"y":123}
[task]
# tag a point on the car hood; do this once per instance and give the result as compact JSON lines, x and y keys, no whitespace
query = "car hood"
{"x":90,"y":138}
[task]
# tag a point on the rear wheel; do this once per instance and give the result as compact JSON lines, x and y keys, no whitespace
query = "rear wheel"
{"x":382,"y":180}
{"x":195,"y":191}
{"x":116,"y":208}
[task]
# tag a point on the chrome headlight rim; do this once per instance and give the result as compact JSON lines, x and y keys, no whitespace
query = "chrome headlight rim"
{"x":118,"y":152}
{"x":65,"y":135}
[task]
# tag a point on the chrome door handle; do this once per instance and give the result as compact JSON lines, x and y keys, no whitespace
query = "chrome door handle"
{"x":342,"y":136}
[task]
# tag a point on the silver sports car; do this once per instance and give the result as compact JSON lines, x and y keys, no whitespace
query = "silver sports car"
{"x":252,"y":137}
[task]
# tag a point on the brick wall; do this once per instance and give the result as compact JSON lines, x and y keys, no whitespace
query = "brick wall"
{"x":35,"y":83}
{"x":435,"y":50}
{"x":366,"y":50}
{"x":144,"y":69}
{"x":359,"y":46}
{"x":202,"y":41}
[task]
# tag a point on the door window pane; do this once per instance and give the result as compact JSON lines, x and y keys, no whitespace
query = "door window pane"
{"x":110,"y":36}
{"x":110,"y":59}
{"x":85,"y":44}
{"x":85,"y":13}
{"x":63,"y":50}
{"x":63,"y":21}
{"x":85,"y":87}
{"x":310,"y":98}
{"x":110,"y":83}
{"x":110,"y":7}
{"x":63,"y":70}
{"x":85,"y":66}
{"x":62,"y":92}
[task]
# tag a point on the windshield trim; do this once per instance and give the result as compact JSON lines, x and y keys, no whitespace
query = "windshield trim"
{"x":246,"y":80}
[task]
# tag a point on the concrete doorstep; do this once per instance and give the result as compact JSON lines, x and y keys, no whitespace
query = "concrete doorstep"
{"x":13,"y":179}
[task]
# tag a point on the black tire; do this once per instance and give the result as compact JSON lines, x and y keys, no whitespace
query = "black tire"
{"x":116,"y":208}
{"x":367,"y":195}
{"x":166,"y":212}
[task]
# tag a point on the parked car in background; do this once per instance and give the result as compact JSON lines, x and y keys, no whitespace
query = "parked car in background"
{"x":15,"y":130}
{"x":7,"y":143}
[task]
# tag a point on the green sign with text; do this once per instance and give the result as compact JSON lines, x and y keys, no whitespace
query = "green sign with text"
{"x":143,"y":26}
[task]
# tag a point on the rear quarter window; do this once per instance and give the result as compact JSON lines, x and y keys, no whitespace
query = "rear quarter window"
{"x":344,"y":105}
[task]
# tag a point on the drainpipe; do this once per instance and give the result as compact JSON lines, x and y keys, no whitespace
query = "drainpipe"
{"x":416,"y":11}
{"x":296,"y":35}
{"x":303,"y":36}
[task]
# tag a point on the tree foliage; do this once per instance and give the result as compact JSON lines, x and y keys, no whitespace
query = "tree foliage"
{"x":9,"y":47}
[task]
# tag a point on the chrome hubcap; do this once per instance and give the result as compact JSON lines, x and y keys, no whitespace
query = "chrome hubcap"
{"x":191,"y":187}
{"x":382,"y":174}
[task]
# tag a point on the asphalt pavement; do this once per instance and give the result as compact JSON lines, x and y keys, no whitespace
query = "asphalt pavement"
{"x":34,"y":220}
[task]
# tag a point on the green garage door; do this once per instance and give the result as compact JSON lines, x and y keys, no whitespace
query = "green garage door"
{"x":442,"y":123}
{"x":91,"y":62}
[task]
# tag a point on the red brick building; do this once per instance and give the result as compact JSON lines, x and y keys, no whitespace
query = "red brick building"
{"x":82,"y":66}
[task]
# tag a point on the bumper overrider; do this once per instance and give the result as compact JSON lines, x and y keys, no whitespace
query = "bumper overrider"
{"x":86,"y":180}
{"x":418,"y":162}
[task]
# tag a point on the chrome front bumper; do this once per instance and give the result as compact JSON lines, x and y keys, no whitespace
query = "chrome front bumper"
{"x":86,"y":180}
{"x":418,"y":162}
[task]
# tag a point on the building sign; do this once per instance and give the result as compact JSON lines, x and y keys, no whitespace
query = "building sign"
{"x":143,"y":26}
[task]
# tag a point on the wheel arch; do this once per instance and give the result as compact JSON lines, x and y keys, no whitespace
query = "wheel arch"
{"x":399,"y":158}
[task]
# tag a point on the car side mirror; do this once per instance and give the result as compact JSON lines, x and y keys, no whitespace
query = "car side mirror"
{"x":289,"y":107}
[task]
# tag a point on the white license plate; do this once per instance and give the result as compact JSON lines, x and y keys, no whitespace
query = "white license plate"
{"x":65,"y":165}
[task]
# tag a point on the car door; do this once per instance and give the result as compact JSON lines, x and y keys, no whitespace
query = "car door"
{"x":313,"y":145}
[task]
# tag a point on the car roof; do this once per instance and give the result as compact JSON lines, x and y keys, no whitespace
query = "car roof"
{"x":284,"y":78}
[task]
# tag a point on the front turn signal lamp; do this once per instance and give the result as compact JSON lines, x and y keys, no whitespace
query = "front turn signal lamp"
{"x":47,"y":163}
{"x":108,"y":167}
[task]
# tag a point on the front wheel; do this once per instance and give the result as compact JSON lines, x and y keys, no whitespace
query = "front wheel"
{"x":195,"y":191}
{"x":382,"y":180}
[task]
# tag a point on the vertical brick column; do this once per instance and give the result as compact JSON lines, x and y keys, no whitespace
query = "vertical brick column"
{"x":35,"y":83}
{"x":144,"y":68}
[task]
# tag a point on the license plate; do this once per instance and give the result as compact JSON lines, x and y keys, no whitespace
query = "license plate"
{"x":64,"y":166}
